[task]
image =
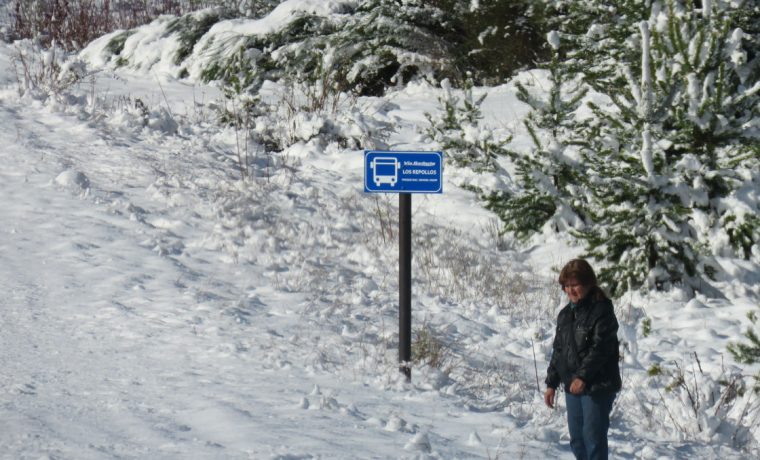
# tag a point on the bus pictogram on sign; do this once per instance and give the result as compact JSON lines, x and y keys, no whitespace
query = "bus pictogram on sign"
{"x":403,"y":172}
{"x":385,"y":171}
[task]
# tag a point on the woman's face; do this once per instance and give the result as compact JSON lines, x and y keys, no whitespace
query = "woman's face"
{"x":575,"y":292}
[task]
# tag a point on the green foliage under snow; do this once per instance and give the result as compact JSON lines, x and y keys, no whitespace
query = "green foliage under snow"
{"x":365,"y":46}
{"x":660,"y":178}
{"x":458,"y":131}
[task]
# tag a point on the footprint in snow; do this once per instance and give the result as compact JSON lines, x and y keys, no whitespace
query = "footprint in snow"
{"x":420,"y":442}
{"x":474,"y":440}
{"x":26,"y":389}
{"x":72,"y":180}
{"x":395,"y":423}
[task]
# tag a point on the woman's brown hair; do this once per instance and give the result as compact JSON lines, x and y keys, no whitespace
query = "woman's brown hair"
{"x":580,"y":271}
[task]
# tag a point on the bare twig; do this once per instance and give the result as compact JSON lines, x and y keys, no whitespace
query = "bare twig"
{"x":535,"y":365}
{"x":166,"y":101}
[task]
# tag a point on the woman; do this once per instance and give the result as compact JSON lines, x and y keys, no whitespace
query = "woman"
{"x":585,"y":360}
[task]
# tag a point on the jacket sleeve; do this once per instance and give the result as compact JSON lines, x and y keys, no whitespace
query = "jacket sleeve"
{"x":552,"y":375}
{"x":603,"y":344}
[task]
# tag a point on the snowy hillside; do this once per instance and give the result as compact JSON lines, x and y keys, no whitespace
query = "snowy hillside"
{"x":156,"y":305}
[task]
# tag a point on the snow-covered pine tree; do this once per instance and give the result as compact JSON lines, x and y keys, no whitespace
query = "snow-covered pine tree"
{"x":748,"y":352}
{"x":365,"y":48}
{"x":459,"y":133}
{"x":595,"y":33}
{"x":668,"y":155}
{"x":549,"y":172}
{"x":389,"y":42}
{"x":495,"y":38}
{"x":248,"y":8}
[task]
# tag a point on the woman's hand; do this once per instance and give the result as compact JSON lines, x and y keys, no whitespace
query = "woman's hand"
{"x":549,"y":397}
{"x":577,"y":386}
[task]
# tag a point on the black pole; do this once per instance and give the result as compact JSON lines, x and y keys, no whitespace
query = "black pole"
{"x":405,"y":284}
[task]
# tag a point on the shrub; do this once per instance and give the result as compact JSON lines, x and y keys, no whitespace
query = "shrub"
{"x":366,"y":46}
{"x":300,"y":112}
{"x":700,"y":405}
{"x":748,"y":352}
{"x":430,"y":348}
{"x":190,"y":28}
{"x":74,"y":23}
{"x":47,"y":72}
{"x":459,"y":132}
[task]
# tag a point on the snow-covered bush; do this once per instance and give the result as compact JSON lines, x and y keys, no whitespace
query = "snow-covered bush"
{"x":188,"y":28}
{"x":247,"y":8}
{"x":364,"y":46}
{"x":134,"y":115}
{"x":72,"y":24}
{"x":458,"y":130}
{"x":429,"y":347}
{"x":701,"y":406}
{"x":383,"y":43}
{"x":281,"y":126}
{"x":299,"y":113}
{"x":45,"y":72}
{"x":748,"y":352}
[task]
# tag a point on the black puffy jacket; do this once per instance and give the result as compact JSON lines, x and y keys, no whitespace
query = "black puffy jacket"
{"x":586,"y":346}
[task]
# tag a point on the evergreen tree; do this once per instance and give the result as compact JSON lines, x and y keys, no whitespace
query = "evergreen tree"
{"x":370,"y":46}
{"x":666,"y":157}
{"x":550,"y":172}
{"x":389,"y":42}
{"x":748,"y":352}
{"x":366,"y":46}
{"x":495,"y":38}
{"x":459,"y":132}
{"x":596,"y":34}
{"x":668,"y":169}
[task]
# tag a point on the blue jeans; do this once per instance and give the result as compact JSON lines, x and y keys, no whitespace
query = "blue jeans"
{"x":588,"y":418}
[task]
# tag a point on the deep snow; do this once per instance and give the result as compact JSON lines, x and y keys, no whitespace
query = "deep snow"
{"x":156,"y":306}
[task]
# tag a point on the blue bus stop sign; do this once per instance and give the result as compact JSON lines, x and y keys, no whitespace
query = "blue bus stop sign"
{"x":403,"y":172}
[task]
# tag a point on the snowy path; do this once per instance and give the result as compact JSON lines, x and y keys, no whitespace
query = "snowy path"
{"x":98,"y":335}
{"x":102,"y":349}
{"x":85,"y":313}
{"x":114,"y":347}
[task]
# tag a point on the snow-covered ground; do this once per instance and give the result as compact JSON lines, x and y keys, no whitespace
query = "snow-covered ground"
{"x":156,"y":306}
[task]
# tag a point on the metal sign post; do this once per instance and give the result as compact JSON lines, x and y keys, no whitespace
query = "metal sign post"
{"x":405,"y":284}
{"x":404,"y":173}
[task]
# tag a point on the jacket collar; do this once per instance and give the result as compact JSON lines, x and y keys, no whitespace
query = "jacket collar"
{"x":584,"y":302}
